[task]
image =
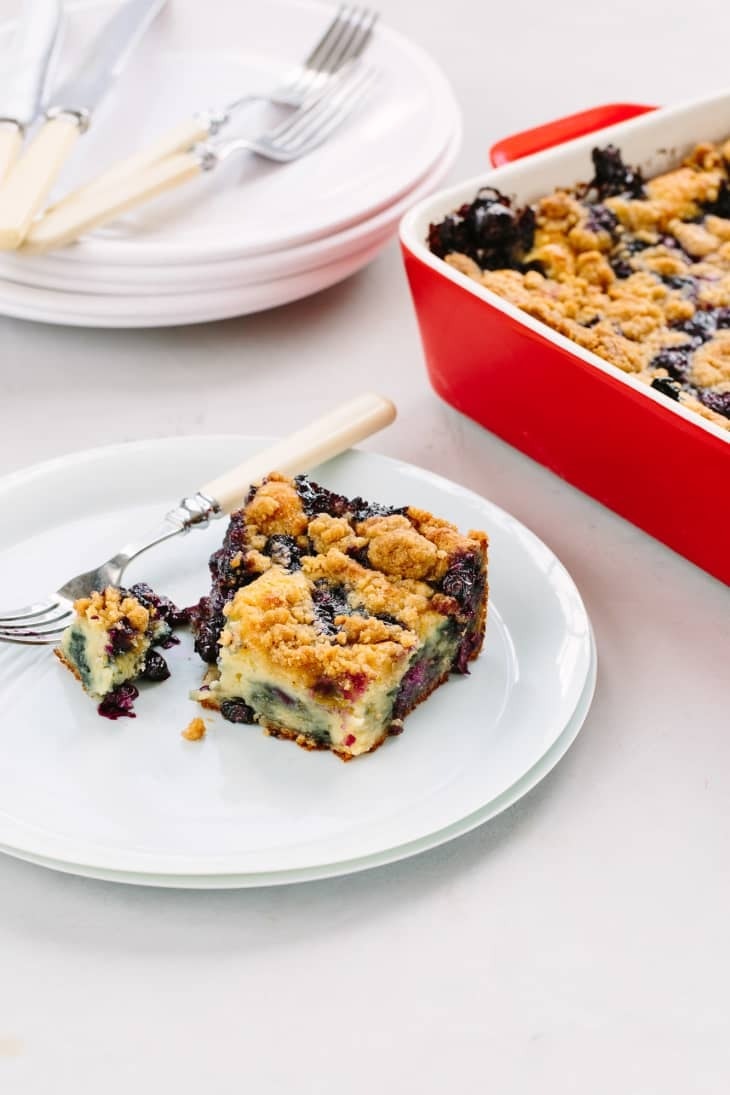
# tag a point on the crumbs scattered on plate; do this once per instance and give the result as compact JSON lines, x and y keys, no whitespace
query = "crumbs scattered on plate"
{"x":195,"y":730}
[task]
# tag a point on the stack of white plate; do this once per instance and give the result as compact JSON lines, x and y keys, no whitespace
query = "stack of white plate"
{"x":251,"y":234}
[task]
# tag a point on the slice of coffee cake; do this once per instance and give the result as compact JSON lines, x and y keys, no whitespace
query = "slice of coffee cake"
{"x":110,"y":643}
{"x":330,"y":618}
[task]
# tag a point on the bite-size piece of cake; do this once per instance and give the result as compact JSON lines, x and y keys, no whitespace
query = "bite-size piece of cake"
{"x":330,"y":618}
{"x":111,"y":642}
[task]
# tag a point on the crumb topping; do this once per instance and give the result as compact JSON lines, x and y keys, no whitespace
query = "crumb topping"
{"x":276,"y":614}
{"x":111,"y":607}
{"x":637,"y":273}
{"x":195,"y":730}
{"x":333,"y":585}
{"x":276,"y":508}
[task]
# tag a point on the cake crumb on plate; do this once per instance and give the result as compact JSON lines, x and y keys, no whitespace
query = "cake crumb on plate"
{"x":195,"y":730}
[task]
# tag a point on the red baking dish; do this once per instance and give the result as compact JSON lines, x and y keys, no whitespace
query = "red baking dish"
{"x":656,"y":463}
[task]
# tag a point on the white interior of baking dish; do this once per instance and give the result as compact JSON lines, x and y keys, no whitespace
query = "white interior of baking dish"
{"x":654,"y":142}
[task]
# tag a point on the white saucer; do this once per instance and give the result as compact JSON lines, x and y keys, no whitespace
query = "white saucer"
{"x":131,"y":800}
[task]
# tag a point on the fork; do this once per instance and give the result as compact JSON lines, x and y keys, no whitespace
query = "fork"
{"x":306,"y":129}
{"x":44,"y":622}
{"x":344,"y":40}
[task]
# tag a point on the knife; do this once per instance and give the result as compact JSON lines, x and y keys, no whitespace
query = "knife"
{"x":31,"y":48}
{"x":69,"y":115}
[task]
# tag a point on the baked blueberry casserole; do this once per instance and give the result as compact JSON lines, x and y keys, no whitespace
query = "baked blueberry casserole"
{"x":330,"y":618}
{"x":636,"y":271}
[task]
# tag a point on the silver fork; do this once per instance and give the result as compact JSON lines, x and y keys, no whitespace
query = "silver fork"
{"x":306,"y":129}
{"x":344,"y":41}
{"x":43,"y":622}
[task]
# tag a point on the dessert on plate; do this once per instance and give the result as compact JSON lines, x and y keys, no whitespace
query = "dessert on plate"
{"x":330,"y":618}
{"x":636,"y":271}
{"x":112,"y":640}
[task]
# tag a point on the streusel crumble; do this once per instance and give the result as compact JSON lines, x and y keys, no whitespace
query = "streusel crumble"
{"x":637,"y":272}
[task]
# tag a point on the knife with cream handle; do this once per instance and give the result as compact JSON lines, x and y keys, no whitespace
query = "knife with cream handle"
{"x":306,"y":129}
{"x":30,"y":49}
{"x":28,"y":184}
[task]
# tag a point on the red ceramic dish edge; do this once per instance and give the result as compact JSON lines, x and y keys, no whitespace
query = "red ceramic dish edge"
{"x":652,"y":461}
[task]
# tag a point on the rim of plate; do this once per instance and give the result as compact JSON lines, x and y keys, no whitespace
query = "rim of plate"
{"x":100,"y":857}
{"x":132,"y":250}
{"x":509,"y":798}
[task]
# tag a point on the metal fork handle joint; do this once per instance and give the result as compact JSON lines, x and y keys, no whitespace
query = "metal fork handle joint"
{"x":195,"y":511}
{"x":14,"y":123}
{"x":82,"y":117}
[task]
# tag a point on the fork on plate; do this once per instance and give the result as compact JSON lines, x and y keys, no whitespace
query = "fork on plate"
{"x":44,"y":622}
{"x":343,"y":42}
{"x":303,"y":131}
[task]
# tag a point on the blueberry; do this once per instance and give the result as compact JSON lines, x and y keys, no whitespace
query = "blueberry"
{"x":316,"y":499}
{"x":155,"y":667}
{"x":716,"y":401}
{"x":237,"y":711}
{"x":488,"y":230}
{"x":360,"y":555}
{"x":329,"y":601}
{"x":612,"y":176}
{"x":165,"y":608}
{"x":284,"y":551}
{"x":621,"y":268}
{"x":674,"y":359}
{"x":462,"y":578}
{"x":701,"y":326}
{"x":721,"y":205}
{"x":451,"y":234}
{"x":667,"y":386}
{"x":361,"y":509}
{"x":686,"y":285}
{"x":387,"y":619}
{"x":601,"y":218}
{"x":491,"y":223}
{"x":119,"y":702}
{"x":121,"y":639}
{"x":723,"y":318}
{"x":207,"y":622}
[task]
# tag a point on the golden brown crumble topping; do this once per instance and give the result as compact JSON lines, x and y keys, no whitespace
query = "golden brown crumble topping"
{"x":628,"y":283}
{"x":276,"y":614}
{"x":195,"y":730}
{"x":111,"y":607}
{"x":276,"y":508}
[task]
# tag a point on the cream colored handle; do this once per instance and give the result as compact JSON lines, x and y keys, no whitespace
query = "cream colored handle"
{"x":28,"y":184}
{"x":320,"y":440}
{"x":180,"y":139}
{"x":11,"y":139}
{"x":73,"y":216}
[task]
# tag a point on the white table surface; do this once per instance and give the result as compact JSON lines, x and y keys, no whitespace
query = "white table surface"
{"x":576,"y":944}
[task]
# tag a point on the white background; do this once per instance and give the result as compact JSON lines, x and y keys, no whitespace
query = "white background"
{"x":577,"y":945}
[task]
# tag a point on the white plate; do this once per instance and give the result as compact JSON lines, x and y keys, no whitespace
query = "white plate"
{"x":201,"y":54}
{"x":390,"y":855}
{"x":132,"y":797}
{"x":217,"y":297}
{"x":176,"y":309}
{"x":54,"y":273}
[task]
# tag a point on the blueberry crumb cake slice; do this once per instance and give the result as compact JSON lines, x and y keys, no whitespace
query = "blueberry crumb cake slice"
{"x":111,"y":643}
{"x":330,"y":618}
